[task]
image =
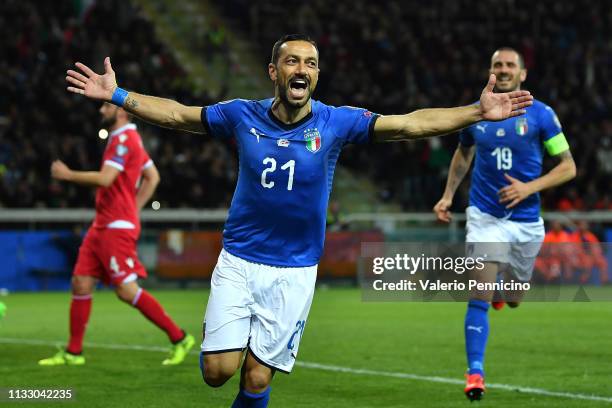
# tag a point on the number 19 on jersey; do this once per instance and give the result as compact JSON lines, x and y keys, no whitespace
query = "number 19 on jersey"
{"x":504,"y":157}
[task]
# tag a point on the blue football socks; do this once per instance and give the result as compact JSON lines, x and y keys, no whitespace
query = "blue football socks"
{"x":246,"y":399}
{"x":476,"y":334}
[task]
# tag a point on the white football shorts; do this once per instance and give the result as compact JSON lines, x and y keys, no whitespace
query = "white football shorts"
{"x":504,"y":241}
{"x":261,"y":307}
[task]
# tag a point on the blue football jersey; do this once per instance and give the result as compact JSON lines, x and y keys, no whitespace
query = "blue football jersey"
{"x":514,"y":146}
{"x":278,"y":212}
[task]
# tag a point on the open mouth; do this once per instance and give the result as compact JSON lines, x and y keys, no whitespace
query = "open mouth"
{"x":298,"y":88}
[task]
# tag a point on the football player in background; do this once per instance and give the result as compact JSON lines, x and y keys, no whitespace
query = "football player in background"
{"x":125,"y":182}
{"x":503,"y":217}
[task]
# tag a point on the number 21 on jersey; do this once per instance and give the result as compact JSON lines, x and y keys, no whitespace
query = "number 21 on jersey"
{"x":271,"y":167}
{"x":504,"y":157}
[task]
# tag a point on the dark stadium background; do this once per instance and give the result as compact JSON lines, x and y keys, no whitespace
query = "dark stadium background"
{"x":389,"y":56}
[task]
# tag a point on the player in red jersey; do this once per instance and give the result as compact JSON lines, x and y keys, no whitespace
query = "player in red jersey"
{"x":108,"y":252}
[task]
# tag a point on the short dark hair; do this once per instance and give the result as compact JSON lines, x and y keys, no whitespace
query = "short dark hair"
{"x":520,"y":56}
{"x":290,"y":37}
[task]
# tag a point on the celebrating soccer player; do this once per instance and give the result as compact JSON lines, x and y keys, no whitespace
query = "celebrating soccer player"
{"x":288,"y":145}
{"x":108,"y":252}
{"x":504,"y":209}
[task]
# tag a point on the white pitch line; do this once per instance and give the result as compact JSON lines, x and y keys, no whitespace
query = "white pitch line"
{"x":333,"y":368}
{"x":444,"y":380}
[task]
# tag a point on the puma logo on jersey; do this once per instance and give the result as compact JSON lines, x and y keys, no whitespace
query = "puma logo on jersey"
{"x":255,"y":133}
{"x":482,"y":128}
{"x":475,"y":328}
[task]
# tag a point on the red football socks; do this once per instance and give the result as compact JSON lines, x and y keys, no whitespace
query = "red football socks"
{"x":153,"y":311}
{"x":80,"y":308}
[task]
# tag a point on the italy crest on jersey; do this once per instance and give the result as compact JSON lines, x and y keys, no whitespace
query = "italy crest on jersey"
{"x":521,"y":126}
{"x":313,"y":140}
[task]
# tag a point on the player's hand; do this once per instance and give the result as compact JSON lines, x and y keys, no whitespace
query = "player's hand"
{"x":60,"y":171}
{"x":499,"y":106}
{"x":90,"y":84}
{"x":442,"y":209}
{"x":514,"y":193}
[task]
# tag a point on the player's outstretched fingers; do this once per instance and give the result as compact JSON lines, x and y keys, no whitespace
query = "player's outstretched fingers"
{"x":76,"y":82}
{"x":85,"y":69}
{"x":76,"y":90}
{"x":517,"y":113}
{"x":521,"y":105}
{"x":491,"y":83}
{"x":523,"y":97}
{"x":76,"y":75}
{"x":107,"y":65}
{"x":520,"y":95}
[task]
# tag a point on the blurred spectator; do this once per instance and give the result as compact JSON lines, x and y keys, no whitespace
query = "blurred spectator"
{"x":554,"y":262}
{"x":335,"y":217}
{"x":589,"y":254}
{"x":571,"y":202}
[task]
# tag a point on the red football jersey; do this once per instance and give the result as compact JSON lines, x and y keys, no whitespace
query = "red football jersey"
{"x":116,"y":204}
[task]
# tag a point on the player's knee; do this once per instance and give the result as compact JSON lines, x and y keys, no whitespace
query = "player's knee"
{"x":514,"y":304}
{"x":216,"y":377}
{"x":81,"y":286}
{"x":257,"y":380}
{"x":124,"y":295}
{"x":127,"y":292}
{"x":214,"y":372}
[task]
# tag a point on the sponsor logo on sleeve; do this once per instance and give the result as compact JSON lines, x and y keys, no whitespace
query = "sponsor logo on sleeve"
{"x":121,"y":150}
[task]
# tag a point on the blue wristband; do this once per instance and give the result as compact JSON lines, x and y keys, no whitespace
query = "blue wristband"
{"x":119,"y":96}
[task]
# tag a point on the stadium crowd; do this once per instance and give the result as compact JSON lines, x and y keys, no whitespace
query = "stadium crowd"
{"x":397,"y":56}
{"x":40,"y":121}
{"x":393,"y":57}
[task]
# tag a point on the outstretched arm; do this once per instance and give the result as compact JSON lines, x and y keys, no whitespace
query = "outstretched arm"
{"x":437,"y":122}
{"x":102,"y":178}
{"x":159,"y":111}
{"x":460,"y":164}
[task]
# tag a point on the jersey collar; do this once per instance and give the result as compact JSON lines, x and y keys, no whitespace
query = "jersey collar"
{"x":289,"y":126}
{"x":129,"y":126}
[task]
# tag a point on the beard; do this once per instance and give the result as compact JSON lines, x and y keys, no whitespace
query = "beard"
{"x":283,"y":91}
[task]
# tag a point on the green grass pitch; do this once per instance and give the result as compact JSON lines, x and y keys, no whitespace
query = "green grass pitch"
{"x":556,"y":347}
